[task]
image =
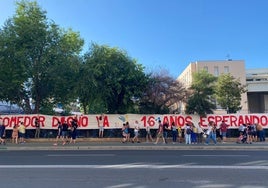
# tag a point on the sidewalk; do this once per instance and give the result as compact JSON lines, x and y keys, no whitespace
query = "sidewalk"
{"x":115,"y":144}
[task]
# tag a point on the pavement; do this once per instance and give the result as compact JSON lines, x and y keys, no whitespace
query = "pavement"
{"x":116,"y":144}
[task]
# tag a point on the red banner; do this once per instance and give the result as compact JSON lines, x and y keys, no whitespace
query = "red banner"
{"x":117,"y":120}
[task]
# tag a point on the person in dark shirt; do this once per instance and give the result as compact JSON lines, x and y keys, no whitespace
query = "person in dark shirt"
{"x":64,"y":132}
{"x":59,"y":133}
{"x":2,"y":134}
{"x":74,"y":126}
{"x":165,"y":131}
{"x":37,"y":128}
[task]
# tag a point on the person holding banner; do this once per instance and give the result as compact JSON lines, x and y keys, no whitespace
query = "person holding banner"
{"x":22,"y":131}
{"x":100,"y":125}
{"x":37,"y":128}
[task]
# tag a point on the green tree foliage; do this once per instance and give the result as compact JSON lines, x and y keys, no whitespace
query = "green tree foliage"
{"x":202,"y":90}
{"x":162,"y":92}
{"x":228,"y":92}
{"x":109,"y":80}
{"x":39,"y":61}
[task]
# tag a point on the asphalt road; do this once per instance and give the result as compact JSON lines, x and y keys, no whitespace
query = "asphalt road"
{"x":134,"y":169}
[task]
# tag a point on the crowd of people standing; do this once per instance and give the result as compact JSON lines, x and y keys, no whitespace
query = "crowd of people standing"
{"x":66,"y":133}
{"x":249,"y":133}
{"x":192,"y":133}
{"x":18,"y":133}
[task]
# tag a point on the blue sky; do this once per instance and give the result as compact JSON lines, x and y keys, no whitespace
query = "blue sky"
{"x":166,"y":34}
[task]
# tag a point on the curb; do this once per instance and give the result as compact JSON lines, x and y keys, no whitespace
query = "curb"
{"x":115,"y":144}
{"x":136,"y":147}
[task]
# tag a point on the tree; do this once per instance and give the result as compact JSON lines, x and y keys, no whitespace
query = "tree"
{"x":39,"y":59}
{"x":161,"y":93}
{"x":110,"y":78}
{"x":202,"y":90}
{"x":228,"y":92}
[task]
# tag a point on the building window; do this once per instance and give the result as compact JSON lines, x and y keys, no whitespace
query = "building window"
{"x":226,"y":69}
{"x":205,"y":68}
{"x":216,"y":71}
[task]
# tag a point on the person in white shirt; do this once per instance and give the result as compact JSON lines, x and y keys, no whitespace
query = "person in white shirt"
{"x":136,"y":132}
{"x":148,"y":134}
{"x":100,"y":125}
{"x":211,"y":133}
{"x":200,"y":133}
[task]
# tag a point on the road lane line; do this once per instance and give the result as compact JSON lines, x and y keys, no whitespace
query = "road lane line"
{"x":215,"y":155}
{"x":258,"y":163}
{"x":81,"y":155}
{"x":133,"y":166}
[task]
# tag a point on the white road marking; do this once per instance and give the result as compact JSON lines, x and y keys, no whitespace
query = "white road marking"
{"x":132,"y":166}
{"x":121,"y":185}
{"x":216,"y":155}
{"x":81,"y":155}
{"x":259,"y":163}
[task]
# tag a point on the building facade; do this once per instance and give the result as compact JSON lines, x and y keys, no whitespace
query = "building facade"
{"x":235,"y":67}
{"x":257,"y":90}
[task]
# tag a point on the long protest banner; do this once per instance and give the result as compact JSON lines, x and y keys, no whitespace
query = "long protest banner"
{"x":114,"y":121}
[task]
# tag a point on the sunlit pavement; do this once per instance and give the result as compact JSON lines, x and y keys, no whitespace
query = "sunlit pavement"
{"x":115,"y":144}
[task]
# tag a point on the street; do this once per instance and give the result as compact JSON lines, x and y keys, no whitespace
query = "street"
{"x":139,"y":169}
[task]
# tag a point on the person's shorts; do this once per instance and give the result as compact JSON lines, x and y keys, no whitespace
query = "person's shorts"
{"x":223,"y":134}
{"x":101,"y":128}
{"x":74,"y":136}
{"x":160,"y":135}
{"x":21,"y":135}
{"x":64,"y":133}
{"x":124,"y":134}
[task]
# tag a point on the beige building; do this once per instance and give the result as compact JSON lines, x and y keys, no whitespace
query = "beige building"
{"x":257,"y":86}
{"x":235,"y":67}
